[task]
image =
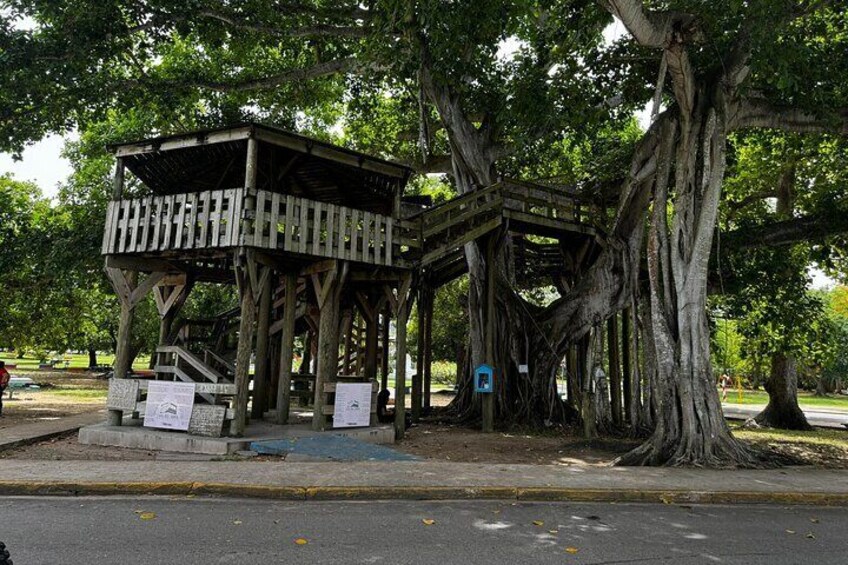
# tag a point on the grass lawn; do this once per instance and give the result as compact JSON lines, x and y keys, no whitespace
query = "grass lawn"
{"x":805,"y":399}
{"x":74,"y":360}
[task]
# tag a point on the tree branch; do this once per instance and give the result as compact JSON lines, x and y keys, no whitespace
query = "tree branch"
{"x":813,"y":227}
{"x":295,"y":75}
{"x":650,"y":29}
{"x":316,"y":30}
{"x":758,"y":113}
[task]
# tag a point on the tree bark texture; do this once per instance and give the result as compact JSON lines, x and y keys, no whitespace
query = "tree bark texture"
{"x":782,"y":410}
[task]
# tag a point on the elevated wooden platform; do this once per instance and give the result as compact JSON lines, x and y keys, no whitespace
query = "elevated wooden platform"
{"x":320,"y":243}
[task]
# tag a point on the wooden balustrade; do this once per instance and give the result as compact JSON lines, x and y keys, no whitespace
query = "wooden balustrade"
{"x":218,"y":219}
{"x":299,"y":225}
{"x":195,"y":220}
{"x":292,"y":224}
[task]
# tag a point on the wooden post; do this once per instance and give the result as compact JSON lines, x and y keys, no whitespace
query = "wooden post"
{"x":130,"y":293}
{"x":385,"y":359}
{"x":118,"y":180}
{"x":123,"y":346}
{"x":244,"y":350}
{"x":418,"y":375}
{"x":170,"y":296}
{"x":347,"y":328}
{"x":400,"y":365}
{"x":287,"y":350}
{"x":488,"y":400}
{"x":614,"y":369}
{"x":625,"y":364}
{"x":329,"y":295}
{"x":260,"y":378}
{"x":428,"y":348}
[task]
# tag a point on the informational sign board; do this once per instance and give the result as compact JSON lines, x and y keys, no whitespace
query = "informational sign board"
{"x":169,"y":405}
{"x":484,"y":379}
{"x":353,"y":405}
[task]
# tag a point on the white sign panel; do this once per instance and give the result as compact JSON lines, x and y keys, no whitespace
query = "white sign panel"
{"x":169,"y":405}
{"x":353,"y":405}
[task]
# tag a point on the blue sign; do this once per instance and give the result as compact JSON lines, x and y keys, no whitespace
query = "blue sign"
{"x":484,"y":379}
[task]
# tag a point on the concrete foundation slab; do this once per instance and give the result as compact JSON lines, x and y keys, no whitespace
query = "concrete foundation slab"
{"x":132,"y":435}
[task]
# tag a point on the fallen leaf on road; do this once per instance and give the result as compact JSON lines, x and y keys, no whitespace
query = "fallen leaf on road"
{"x":301,"y":541}
{"x":666,"y":499}
{"x":810,"y":535}
{"x":428,"y":521}
{"x":571,"y":550}
{"x":790,"y":531}
{"x":147,"y":515}
{"x":553,"y":531}
{"x":237,"y":522}
{"x":538,"y":523}
{"x":814,"y":520}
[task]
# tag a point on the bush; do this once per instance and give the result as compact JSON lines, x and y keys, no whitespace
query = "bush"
{"x":443,"y":372}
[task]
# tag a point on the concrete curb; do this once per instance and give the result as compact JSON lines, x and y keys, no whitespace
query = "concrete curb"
{"x":342,"y":493}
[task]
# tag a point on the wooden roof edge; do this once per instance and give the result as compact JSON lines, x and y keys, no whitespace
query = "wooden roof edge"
{"x":269,"y":134}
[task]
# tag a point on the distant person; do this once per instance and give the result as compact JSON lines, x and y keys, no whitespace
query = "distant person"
{"x":5,"y":377}
{"x":725,"y":383}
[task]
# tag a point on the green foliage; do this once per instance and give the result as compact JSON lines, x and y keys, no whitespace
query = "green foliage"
{"x":450,"y":322}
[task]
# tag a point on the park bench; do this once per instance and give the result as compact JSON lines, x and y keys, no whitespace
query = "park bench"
{"x":21,"y":383}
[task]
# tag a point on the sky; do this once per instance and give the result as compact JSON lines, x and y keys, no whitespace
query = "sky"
{"x":42,"y":163}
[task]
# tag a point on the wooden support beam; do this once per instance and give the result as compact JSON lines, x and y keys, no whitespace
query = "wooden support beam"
{"x":347,"y":330}
{"x":384,"y":330}
{"x":245,"y":348}
{"x":428,"y":348}
{"x":418,"y":376}
{"x":329,"y":293}
{"x":123,"y":346}
{"x":402,"y":313}
{"x":118,"y":180}
{"x":261,"y":371}
{"x":287,"y":350}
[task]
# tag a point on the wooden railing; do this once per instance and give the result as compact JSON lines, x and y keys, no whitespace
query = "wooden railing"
{"x":219,"y":219}
{"x":292,"y":224}
{"x":540,"y":200}
{"x":195,"y":220}
{"x":320,"y":229}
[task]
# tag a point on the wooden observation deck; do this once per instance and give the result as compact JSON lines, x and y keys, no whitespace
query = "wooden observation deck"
{"x":320,"y":243}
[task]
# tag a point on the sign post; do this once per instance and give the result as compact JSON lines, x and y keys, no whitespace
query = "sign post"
{"x":484,"y":384}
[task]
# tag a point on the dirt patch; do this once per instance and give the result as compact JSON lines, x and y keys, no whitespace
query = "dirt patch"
{"x":451,"y":443}
{"x":62,"y":394}
{"x":68,"y":448}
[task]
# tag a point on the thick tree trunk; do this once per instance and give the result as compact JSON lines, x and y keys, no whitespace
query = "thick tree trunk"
{"x":92,"y":357}
{"x":782,"y":410}
{"x":690,"y":428}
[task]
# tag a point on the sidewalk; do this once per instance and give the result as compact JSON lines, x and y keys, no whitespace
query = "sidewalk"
{"x":423,"y":480}
{"x":15,"y":436}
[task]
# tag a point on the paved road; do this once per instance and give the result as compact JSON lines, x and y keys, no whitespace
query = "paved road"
{"x":822,"y":418}
{"x":100,"y":531}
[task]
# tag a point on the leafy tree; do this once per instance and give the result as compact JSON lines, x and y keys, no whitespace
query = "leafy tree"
{"x":714,"y":68}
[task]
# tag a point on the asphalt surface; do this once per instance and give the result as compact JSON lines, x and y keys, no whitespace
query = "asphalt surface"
{"x":99,"y":531}
{"x":822,"y":418}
